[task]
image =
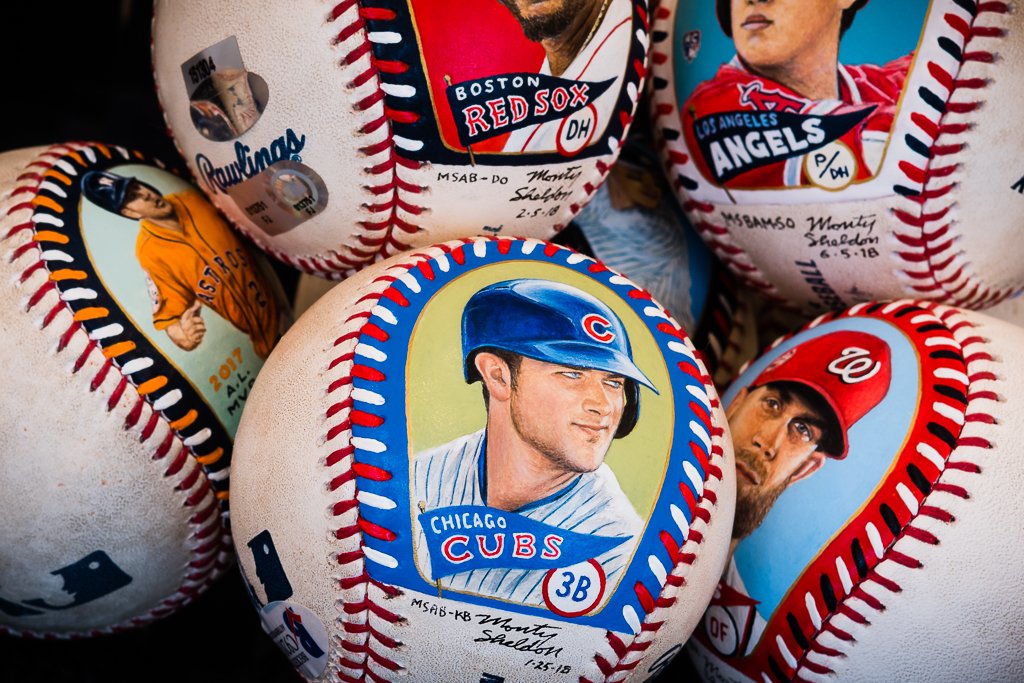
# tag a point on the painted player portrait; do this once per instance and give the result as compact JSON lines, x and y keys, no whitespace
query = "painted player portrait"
{"x":789,"y":424}
{"x":500,"y":508}
{"x":784,"y":111}
{"x":796,"y":414}
{"x":192,"y":260}
{"x":522,"y":76}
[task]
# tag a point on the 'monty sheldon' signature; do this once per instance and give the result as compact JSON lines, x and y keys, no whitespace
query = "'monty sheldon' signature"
{"x":533,"y":638}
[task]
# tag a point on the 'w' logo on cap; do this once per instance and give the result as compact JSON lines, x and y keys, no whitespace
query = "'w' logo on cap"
{"x":598,"y":328}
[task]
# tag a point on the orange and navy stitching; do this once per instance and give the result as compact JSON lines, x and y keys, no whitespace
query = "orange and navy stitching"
{"x":43,"y":238}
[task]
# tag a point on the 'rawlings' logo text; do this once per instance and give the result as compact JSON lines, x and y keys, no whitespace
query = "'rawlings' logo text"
{"x":248,"y":163}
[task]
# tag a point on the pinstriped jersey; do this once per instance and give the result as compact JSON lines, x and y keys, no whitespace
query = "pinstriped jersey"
{"x":206,"y":260}
{"x":454,"y":474}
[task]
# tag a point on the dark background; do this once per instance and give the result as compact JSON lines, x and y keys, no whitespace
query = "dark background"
{"x":82,"y":72}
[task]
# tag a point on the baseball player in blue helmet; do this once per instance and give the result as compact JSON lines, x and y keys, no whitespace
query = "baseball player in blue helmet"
{"x":559,"y":383}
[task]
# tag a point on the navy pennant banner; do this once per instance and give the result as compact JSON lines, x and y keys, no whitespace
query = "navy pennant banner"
{"x":486,"y":107}
{"x":462,"y":538}
{"x":734,"y":142}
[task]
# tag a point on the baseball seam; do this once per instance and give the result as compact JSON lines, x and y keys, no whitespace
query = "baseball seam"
{"x":368,"y":652}
{"x":932,"y":265}
{"x":30,"y":240}
{"x":791,"y":658}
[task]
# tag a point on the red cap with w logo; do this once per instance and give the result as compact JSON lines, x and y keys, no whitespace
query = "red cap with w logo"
{"x":850,"y":370}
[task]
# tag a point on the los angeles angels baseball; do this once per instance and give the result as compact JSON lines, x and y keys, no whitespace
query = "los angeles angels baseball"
{"x":491,"y":456}
{"x":336,"y":134}
{"x":878,"y":486}
{"x":840,"y":151}
{"x":134,"y":320}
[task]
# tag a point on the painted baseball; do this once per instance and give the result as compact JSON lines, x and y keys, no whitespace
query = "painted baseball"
{"x":134,"y":326}
{"x":877,"y":474}
{"x":842,"y":151}
{"x":493,"y":456}
{"x":1010,"y":310}
{"x":338,"y":134}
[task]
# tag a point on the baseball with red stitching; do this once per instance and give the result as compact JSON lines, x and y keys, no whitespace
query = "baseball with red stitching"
{"x":1011,"y":310}
{"x":491,"y":456}
{"x":335,"y":134}
{"x":840,"y":152}
{"x":878,"y":488}
{"x":134,"y":322}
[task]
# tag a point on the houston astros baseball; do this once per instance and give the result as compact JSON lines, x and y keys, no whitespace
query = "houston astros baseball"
{"x":336,"y":134}
{"x":840,"y":151}
{"x":134,"y":323}
{"x":492,"y":456}
{"x":878,"y":492}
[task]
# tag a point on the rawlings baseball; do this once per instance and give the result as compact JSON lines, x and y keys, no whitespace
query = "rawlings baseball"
{"x":878,"y":492}
{"x":133,"y":326}
{"x":336,"y":134}
{"x":492,"y":456}
{"x":840,"y":151}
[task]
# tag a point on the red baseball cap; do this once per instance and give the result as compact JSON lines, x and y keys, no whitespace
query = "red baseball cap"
{"x":850,"y":370}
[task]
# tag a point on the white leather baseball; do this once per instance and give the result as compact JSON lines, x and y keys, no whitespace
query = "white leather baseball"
{"x":336,"y":134}
{"x":899,"y":178}
{"x":899,"y":560}
{"x":333,"y":539}
{"x":114,"y":461}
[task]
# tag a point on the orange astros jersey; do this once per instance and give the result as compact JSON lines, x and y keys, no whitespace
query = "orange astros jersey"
{"x":206,"y":261}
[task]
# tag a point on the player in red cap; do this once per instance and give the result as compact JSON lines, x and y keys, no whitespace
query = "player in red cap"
{"x":787,"y":63}
{"x":797,"y":412}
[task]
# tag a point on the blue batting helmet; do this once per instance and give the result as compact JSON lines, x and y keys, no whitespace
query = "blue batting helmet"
{"x":109,"y":190}
{"x":555,"y":323}
{"x":106,"y":190}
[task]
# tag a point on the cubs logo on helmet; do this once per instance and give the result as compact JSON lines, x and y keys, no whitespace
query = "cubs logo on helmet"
{"x":555,"y":323}
{"x":598,"y":328}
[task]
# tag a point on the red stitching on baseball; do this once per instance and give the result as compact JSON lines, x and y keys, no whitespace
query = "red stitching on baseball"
{"x":932,"y":245}
{"x":952,"y":318}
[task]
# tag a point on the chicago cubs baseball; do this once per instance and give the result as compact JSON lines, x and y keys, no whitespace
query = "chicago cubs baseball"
{"x":876,"y":474}
{"x":336,"y":134}
{"x":135,"y":324}
{"x":492,"y":456}
{"x":841,"y":151}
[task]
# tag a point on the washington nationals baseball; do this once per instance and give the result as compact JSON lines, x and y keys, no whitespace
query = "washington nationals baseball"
{"x":338,"y":134}
{"x":134,"y":326}
{"x":571,"y":522}
{"x":839,"y":151}
{"x":876,"y":471}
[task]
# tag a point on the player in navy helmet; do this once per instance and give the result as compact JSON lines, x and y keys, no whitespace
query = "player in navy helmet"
{"x":559,"y":383}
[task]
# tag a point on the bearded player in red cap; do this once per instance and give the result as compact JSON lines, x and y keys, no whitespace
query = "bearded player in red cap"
{"x":797,"y":412}
{"x":784,"y":424}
